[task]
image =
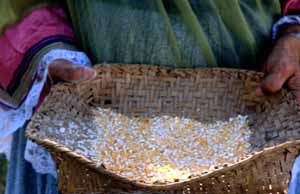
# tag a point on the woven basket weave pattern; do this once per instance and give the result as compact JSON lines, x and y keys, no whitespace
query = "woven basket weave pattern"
{"x":203,"y":94}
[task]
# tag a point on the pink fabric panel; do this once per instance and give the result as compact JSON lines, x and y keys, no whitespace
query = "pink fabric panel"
{"x":9,"y":61}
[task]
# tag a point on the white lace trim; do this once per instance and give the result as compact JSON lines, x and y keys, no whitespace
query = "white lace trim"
{"x":39,"y":157}
{"x":11,"y":120}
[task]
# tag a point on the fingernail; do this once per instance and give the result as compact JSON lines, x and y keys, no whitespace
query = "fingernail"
{"x":89,"y":73}
{"x":259,"y":92}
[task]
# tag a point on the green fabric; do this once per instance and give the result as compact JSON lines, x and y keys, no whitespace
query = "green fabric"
{"x":181,"y":33}
{"x":11,"y":11}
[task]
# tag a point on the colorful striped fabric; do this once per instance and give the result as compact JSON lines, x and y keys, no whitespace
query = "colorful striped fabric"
{"x":22,"y":45}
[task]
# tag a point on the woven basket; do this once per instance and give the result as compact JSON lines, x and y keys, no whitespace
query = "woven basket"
{"x":203,"y":94}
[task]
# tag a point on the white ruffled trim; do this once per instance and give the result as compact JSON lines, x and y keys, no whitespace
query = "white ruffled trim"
{"x":39,"y":157}
{"x":290,"y":19}
{"x":11,"y":120}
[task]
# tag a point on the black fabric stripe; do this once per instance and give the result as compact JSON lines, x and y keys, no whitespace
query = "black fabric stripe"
{"x":23,"y":97}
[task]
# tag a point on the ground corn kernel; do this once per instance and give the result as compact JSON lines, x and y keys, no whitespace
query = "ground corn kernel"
{"x":167,"y":149}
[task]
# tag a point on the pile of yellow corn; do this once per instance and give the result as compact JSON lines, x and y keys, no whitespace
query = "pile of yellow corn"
{"x":167,"y":149}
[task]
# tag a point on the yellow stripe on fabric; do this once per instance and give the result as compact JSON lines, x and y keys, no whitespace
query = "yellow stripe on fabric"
{"x":171,"y":34}
{"x":7,"y":98}
{"x":261,"y":10}
{"x":193,"y":24}
{"x":235,"y":21}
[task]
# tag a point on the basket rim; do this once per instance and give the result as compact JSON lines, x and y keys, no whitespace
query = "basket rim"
{"x":54,"y":146}
{"x":174,"y":70}
{"x":51,"y":145}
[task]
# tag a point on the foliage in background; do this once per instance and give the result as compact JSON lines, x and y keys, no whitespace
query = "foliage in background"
{"x":3,"y":169}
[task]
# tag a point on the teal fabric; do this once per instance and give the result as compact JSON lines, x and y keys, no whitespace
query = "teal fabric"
{"x":180,"y":33}
{"x":21,"y":177}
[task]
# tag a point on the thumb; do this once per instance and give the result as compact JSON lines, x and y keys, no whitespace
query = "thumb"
{"x":63,"y":70}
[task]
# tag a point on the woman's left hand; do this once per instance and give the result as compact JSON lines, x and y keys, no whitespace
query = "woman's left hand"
{"x":64,"y":70}
{"x":282,"y":66}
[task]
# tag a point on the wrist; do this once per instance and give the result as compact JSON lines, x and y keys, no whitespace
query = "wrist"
{"x":289,"y":45}
{"x":292,"y":31}
{"x":293,"y":28}
{"x":290,"y":37}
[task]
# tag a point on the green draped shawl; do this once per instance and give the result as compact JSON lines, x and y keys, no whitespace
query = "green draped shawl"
{"x":179,"y":33}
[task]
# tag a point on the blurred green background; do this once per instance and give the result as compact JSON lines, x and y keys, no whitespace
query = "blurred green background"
{"x":3,"y":169}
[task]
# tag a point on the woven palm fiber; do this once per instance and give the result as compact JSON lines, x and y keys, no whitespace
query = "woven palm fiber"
{"x":206,"y":95}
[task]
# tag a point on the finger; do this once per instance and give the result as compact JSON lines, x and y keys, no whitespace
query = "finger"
{"x":272,"y":84}
{"x":294,"y":86}
{"x":274,"y":81}
{"x":77,"y":74}
{"x":62,"y":70}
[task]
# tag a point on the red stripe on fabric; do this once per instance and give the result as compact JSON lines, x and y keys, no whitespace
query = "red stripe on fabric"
{"x":291,"y":6}
{"x":9,"y":61}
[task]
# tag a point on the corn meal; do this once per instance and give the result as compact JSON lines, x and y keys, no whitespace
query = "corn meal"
{"x":167,"y":149}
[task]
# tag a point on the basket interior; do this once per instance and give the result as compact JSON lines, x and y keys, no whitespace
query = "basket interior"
{"x":206,"y":95}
